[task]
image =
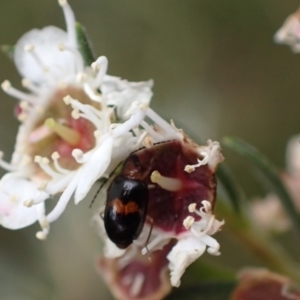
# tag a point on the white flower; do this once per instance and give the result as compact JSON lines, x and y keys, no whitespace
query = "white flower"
{"x":191,"y":247}
{"x":16,"y":209}
{"x":289,"y":33}
{"x":72,"y":144}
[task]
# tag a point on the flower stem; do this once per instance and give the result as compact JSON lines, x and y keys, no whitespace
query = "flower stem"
{"x":261,"y":245}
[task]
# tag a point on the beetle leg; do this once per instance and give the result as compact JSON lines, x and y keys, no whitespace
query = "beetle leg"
{"x":148,"y":238}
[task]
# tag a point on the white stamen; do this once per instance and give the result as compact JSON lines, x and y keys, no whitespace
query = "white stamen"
{"x":30,"y":49}
{"x":75,"y":114}
{"x":39,"y":109}
{"x":24,"y":105}
{"x":67,"y":99}
{"x":63,"y":201}
{"x":188,"y":222}
{"x":22,"y":117}
{"x":81,"y":78}
{"x":28,"y":203}
{"x":148,"y":142}
{"x":70,"y":22}
{"x":94,"y":95}
{"x":10,"y":90}
{"x":61,"y":47}
{"x":41,"y":235}
{"x":42,"y":185}
{"x":77,"y":154}
{"x":30,"y":86}
{"x":209,"y":225}
{"x":26,"y":160}
{"x":13,"y":198}
{"x":6,"y":85}
{"x":44,"y":165}
{"x":137,"y":284}
{"x":192,"y":207}
{"x":167,"y":183}
{"x":100,"y":66}
{"x":132,"y":122}
{"x":162,"y":123}
{"x":37,"y":159}
{"x":192,"y":168}
{"x":78,"y":59}
{"x":55,"y":156}
{"x":5,"y":165}
{"x":88,"y":110}
{"x":44,"y":223}
{"x":150,"y":130}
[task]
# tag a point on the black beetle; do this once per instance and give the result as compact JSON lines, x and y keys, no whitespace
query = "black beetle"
{"x":126,"y":206}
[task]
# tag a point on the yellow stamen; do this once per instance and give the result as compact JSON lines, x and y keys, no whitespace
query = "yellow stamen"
{"x":71,"y":136}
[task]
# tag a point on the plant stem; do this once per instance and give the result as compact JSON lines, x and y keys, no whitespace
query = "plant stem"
{"x":261,"y":245}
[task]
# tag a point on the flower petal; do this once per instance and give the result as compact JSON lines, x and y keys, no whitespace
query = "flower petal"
{"x":94,"y":169}
{"x":44,"y":62}
{"x":13,"y":213}
{"x":123,"y":93}
{"x":184,"y":253}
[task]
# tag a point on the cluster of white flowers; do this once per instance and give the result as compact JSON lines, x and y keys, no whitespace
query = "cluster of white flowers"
{"x":77,"y":125}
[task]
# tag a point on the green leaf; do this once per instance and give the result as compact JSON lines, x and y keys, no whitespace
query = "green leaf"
{"x":270,"y":172}
{"x":234,"y":192}
{"x":204,"y":291}
{"x":8,"y":50}
{"x":84,"y":45}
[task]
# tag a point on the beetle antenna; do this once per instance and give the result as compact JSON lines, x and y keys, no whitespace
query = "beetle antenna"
{"x":104,"y":182}
{"x":148,"y":238}
{"x":98,"y":191}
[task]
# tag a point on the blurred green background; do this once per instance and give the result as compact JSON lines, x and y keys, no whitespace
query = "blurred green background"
{"x":217,"y":72}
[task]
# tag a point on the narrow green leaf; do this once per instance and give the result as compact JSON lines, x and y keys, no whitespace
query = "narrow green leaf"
{"x":234,"y":191}
{"x":84,"y":45}
{"x":204,"y":291}
{"x":8,"y":50}
{"x":270,"y":172}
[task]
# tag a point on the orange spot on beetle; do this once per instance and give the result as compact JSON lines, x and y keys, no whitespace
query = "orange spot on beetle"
{"x":120,"y":208}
